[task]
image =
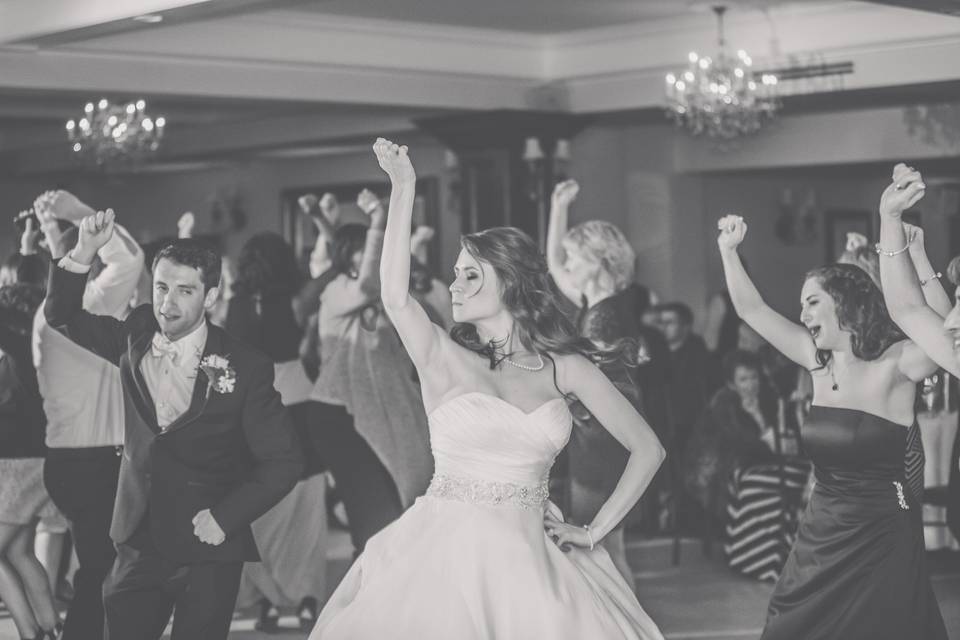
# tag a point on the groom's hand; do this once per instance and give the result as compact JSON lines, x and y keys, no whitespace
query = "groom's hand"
{"x":206,"y":528}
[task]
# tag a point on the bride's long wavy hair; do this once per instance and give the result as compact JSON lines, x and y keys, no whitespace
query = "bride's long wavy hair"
{"x":531,"y":296}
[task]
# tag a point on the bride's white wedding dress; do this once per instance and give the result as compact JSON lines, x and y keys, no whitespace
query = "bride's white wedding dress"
{"x":470,"y":560}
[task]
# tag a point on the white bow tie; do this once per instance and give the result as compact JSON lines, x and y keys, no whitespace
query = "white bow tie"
{"x":162,"y":346}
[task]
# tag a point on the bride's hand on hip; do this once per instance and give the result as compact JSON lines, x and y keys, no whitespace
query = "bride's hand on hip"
{"x":565,"y":535}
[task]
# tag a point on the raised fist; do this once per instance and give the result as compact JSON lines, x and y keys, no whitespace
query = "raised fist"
{"x":307,"y":203}
{"x":330,"y":207}
{"x":565,"y":193}
{"x":30,"y":238}
{"x":95,"y":231}
{"x":732,"y":231}
{"x":64,"y":206}
{"x":185,"y":225}
{"x":367,"y":201}
{"x":905,"y":191}
{"x":395,"y":162}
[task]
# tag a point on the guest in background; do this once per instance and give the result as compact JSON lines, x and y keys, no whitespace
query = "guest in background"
{"x":430,"y":292}
{"x":722,"y":327}
{"x":593,"y":265}
{"x":694,"y":375}
{"x":24,"y":586}
{"x":83,"y":402}
{"x":367,"y":408}
{"x":858,"y":253}
{"x":736,"y":467}
{"x":291,"y":536}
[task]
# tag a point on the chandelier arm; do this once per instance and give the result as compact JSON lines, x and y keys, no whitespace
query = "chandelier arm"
{"x":720,"y":10}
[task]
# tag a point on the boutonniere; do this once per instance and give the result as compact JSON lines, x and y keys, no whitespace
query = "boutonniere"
{"x":221,"y":375}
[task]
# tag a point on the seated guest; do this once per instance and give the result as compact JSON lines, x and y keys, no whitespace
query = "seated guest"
{"x":733,"y":469}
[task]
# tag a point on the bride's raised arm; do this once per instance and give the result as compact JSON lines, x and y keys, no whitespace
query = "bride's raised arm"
{"x":789,"y":338}
{"x":420,"y":336}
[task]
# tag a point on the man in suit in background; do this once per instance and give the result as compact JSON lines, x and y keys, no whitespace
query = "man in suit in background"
{"x":208,"y":447}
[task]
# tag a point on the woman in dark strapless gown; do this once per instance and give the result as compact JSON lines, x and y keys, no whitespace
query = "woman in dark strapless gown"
{"x":857,"y":569}
{"x":860,"y":542}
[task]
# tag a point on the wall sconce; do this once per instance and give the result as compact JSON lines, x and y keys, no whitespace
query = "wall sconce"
{"x":544,"y":171}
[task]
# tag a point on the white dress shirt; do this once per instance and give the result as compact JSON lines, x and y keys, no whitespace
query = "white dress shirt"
{"x":82,"y":396}
{"x":170,"y":374}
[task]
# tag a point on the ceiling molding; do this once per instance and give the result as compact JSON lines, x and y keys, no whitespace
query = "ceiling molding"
{"x":41,"y":18}
{"x":153,"y":75}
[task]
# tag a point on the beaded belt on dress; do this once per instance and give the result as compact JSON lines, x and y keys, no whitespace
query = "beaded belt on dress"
{"x":489,"y":493}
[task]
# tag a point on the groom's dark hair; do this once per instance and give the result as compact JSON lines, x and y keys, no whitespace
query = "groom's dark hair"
{"x":196,"y":253}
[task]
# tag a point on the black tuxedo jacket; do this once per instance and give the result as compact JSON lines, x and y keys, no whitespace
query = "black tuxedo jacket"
{"x":233,"y":453}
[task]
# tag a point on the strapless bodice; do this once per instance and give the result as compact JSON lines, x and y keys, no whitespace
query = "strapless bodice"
{"x":855,"y":452}
{"x":483,"y":437}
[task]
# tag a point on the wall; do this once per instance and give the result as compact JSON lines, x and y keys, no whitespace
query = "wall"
{"x":149,"y":204}
{"x":667,"y":191}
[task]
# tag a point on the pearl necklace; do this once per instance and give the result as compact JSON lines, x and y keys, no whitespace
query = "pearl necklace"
{"x":526,"y":367}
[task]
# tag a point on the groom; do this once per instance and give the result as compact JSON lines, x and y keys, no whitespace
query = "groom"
{"x":207,"y":445}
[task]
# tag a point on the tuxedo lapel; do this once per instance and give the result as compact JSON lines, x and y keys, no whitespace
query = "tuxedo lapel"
{"x":142,"y":400}
{"x":201,"y":385}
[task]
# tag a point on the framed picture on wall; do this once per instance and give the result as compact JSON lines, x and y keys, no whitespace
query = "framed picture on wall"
{"x":839,"y":222}
{"x":301,"y":233}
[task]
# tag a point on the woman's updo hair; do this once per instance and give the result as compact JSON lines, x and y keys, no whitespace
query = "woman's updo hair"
{"x":604,"y":244}
{"x":860,"y":310}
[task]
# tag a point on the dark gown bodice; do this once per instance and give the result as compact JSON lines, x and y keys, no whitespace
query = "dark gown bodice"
{"x":856,"y":454}
{"x":858,"y":568}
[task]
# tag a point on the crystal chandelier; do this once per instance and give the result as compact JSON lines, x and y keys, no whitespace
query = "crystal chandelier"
{"x":109,"y":133}
{"x":721,"y":97}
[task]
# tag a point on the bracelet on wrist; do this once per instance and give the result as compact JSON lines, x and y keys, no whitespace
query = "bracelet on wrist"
{"x":890,"y":254}
{"x":590,"y":536}
{"x":935,"y":276}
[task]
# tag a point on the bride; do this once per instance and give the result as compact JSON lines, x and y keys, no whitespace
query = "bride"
{"x":484,"y":554}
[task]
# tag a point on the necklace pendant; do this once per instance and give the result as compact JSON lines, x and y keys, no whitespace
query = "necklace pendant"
{"x":836,"y":387}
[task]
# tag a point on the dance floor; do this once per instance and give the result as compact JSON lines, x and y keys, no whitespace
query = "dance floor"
{"x":700,"y":599}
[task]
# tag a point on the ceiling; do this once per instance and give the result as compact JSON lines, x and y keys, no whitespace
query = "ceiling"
{"x":241,"y":76}
{"x":532,"y":16}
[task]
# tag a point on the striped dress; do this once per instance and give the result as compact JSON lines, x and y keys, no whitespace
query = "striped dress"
{"x":763,"y":507}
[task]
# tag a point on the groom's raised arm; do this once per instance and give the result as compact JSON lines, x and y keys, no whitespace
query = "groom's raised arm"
{"x":63,"y":309}
{"x":275,"y":447}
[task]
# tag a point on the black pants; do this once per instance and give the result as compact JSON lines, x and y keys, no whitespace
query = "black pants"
{"x":143,"y":588}
{"x":369,"y":493}
{"x":83,"y":485}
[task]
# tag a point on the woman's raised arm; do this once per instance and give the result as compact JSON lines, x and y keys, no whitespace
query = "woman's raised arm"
{"x":789,"y":338}
{"x":902,"y":291}
{"x":420,"y":336}
{"x":563,"y":195}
